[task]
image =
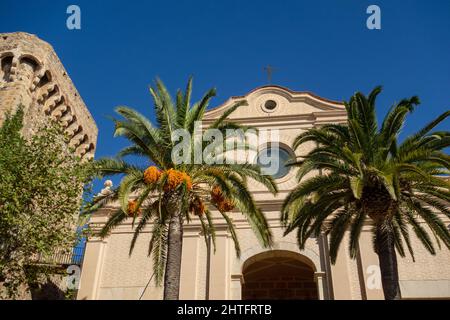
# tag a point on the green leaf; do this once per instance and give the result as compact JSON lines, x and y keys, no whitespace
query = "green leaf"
{"x":357,"y":184}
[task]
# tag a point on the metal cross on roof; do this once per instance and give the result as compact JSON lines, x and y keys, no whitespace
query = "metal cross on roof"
{"x":269,"y":69}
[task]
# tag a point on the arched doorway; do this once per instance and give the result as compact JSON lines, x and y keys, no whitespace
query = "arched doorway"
{"x":279,"y":275}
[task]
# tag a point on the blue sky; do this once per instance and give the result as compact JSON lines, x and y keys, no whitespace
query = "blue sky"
{"x":318,"y":46}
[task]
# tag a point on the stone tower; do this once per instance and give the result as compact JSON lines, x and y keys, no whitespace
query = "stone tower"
{"x":31,"y":75}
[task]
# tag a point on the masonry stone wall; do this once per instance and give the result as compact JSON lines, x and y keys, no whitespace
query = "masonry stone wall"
{"x":32,"y":75}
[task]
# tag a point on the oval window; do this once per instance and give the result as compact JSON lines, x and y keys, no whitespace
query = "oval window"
{"x":272,"y":161}
{"x":269,"y":105}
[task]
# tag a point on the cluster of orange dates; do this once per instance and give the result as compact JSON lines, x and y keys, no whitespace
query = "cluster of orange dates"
{"x":197,"y":207}
{"x":222,"y":203}
{"x":174,"y":179}
{"x":132,"y":208}
{"x":218,"y":198}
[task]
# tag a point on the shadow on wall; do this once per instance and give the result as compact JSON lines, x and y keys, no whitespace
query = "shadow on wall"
{"x":47,"y":291}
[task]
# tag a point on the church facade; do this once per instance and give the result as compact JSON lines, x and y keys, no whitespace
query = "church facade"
{"x":280,"y":272}
{"x":31,"y":75}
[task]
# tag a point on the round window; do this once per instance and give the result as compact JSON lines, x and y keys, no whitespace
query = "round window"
{"x":272,"y":161}
{"x":270,"y":105}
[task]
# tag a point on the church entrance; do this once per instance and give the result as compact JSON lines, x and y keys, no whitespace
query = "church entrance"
{"x":279,"y":275}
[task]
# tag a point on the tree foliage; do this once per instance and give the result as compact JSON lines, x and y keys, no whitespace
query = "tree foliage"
{"x":367,"y":173}
{"x":41,"y":183}
{"x":153,"y":193}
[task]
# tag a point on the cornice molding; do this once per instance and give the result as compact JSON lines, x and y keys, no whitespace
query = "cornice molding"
{"x":290,"y":95}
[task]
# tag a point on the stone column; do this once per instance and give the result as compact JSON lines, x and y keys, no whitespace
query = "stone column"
{"x":91,"y":274}
{"x":236,"y":286}
{"x":326,"y":265}
{"x":371,"y":274}
{"x":342,"y":275}
{"x":189,"y":265}
{"x":219,"y":278}
{"x":319,"y":278}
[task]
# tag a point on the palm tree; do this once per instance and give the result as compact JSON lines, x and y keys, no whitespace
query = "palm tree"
{"x":367,"y":173}
{"x":165,"y":193}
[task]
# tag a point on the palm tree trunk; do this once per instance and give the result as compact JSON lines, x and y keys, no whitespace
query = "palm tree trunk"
{"x":385,"y":248}
{"x":174,"y":250}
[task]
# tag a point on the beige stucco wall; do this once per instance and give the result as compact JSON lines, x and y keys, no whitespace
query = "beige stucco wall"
{"x":110,"y":273}
{"x":428,"y":276}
